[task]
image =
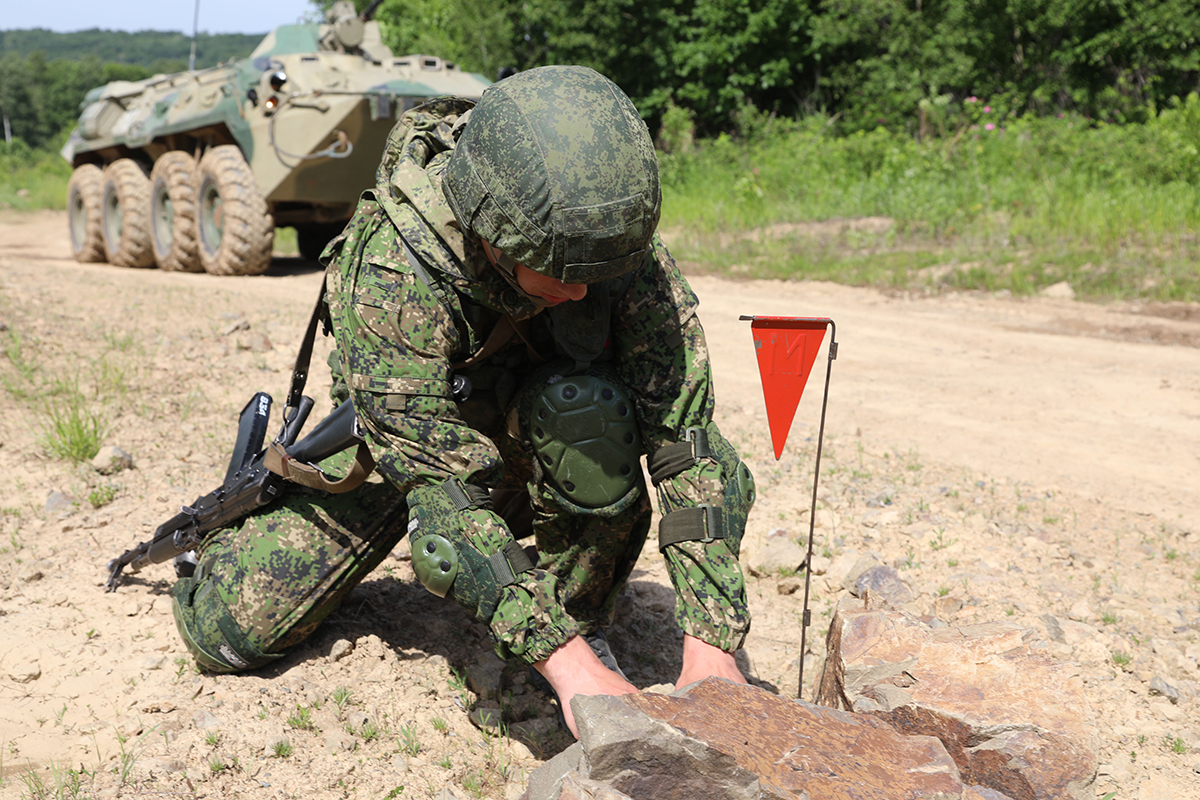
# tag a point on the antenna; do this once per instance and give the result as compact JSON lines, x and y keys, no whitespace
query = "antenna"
{"x":195,"y":28}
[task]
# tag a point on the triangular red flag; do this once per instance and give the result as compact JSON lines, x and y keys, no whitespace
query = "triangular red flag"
{"x":787,"y":348}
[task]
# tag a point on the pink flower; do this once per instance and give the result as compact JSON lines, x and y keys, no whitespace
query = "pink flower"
{"x":972,"y":99}
{"x":987,"y":109}
{"x":989,"y":127}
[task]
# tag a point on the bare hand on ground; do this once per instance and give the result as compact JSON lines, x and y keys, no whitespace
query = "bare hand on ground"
{"x":701,"y":660}
{"x":574,"y":669}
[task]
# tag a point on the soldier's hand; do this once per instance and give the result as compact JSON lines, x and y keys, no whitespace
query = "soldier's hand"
{"x":574,"y":669}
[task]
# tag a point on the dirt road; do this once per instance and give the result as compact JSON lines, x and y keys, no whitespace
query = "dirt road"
{"x":1059,"y":437}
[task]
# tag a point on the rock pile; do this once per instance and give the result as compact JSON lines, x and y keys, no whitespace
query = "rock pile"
{"x":904,"y":710}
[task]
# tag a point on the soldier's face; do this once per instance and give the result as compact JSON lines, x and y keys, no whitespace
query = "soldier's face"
{"x":552,"y":290}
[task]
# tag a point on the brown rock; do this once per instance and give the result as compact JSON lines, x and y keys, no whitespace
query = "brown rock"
{"x":724,"y":740}
{"x":1014,"y":721}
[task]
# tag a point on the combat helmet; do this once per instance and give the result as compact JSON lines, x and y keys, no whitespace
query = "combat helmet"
{"x":556,"y":169}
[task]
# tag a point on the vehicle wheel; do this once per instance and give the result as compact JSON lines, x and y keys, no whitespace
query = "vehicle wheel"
{"x":126,"y":213}
{"x":236,"y":232}
{"x":84,"y":197}
{"x":312,"y":237}
{"x":173,"y":212}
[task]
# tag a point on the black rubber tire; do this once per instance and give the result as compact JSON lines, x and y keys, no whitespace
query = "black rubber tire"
{"x":173,"y":212}
{"x":312,"y":237}
{"x":235,"y":230}
{"x":85,"y":193}
{"x":125,"y":211}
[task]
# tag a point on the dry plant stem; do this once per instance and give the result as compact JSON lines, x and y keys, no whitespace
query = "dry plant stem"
{"x":574,"y":669}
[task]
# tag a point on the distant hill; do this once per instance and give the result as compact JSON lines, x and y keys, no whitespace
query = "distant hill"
{"x":150,"y":49}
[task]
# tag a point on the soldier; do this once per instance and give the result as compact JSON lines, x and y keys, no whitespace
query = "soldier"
{"x":514,"y":337}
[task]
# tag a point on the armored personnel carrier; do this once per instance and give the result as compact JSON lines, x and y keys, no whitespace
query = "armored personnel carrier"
{"x":194,"y":171}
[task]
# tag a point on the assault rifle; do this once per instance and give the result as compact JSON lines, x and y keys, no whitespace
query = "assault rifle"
{"x":252,"y":480}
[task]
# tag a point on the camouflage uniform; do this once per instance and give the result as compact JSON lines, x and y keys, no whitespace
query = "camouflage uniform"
{"x":407,"y":324}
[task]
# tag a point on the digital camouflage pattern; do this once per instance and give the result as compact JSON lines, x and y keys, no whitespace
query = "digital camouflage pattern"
{"x":558,"y":172}
{"x":278,"y":574}
{"x":403,"y":333}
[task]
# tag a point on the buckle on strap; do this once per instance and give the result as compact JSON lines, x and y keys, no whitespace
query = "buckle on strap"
{"x":669,"y":460}
{"x":509,"y":562}
{"x":465,"y":496}
{"x":704,"y":523}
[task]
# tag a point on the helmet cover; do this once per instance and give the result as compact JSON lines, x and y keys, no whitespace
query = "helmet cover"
{"x":557,"y":171}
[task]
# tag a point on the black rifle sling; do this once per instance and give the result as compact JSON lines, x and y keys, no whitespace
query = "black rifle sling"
{"x":276,"y":458}
{"x":304,"y":356}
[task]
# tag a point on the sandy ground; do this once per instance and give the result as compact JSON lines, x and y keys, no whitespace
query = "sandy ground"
{"x":1012,"y":458}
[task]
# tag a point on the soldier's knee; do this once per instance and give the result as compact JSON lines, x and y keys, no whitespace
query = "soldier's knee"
{"x":585,"y":437}
{"x":209,"y":630}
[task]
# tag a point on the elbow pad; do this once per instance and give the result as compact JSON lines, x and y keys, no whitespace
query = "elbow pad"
{"x":461,"y":549}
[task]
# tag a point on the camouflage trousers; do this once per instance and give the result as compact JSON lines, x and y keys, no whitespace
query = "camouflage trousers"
{"x":265,"y":585}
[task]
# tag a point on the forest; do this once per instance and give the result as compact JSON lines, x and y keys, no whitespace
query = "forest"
{"x":907,"y":66}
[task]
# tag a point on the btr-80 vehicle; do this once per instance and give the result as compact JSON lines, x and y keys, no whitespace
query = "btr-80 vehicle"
{"x":194,"y":171}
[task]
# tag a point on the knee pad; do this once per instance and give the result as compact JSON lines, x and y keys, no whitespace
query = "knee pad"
{"x":208,"y":629}
{"x":705,"y":523}
{"x":585,"y":436}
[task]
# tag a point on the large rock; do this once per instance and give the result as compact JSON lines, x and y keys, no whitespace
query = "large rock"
{"x":718,"y":740}
{"x":1014,"y":721}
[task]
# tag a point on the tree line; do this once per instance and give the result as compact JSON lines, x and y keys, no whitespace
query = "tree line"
{"x":900,"y":64}
{"x":44,"y":75}
{"x":905,"y":65}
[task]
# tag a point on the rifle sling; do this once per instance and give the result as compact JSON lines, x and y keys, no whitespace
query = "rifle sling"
{"x":278,"y":461}
{"x":304,"y":355}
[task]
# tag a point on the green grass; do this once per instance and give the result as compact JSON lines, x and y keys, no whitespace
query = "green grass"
{"x":1113,"y":210}
{"x":32,"y":179}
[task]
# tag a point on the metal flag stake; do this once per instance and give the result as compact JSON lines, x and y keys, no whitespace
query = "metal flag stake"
{"x":787,"y":348}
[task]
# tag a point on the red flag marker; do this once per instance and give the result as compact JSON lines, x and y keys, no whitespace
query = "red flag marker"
{"x":787,"y":348}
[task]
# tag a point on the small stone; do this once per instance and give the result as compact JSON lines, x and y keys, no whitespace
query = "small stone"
{"x":1114,"y":771}
{"x":237,"y":327}
{"x":25,"y":673}
{"x":341,"y":648}
{"x":779,"y":555}
{"x":860,"y":566}
{"x":338,"y":741}
{"x":357,"y":720}
{"x":1160,"y":687}
{"x":1080,"y":612}
{"x":486,"y":719}
{"x":254,"y":342}
{"x":1059,"y":291}
{"x":1168,"y":712}
{"x":205,"y":720}
{"x":789,"y":585}
{"x":276,"y":741}
{"x":483,"y":677}
{"x":153,"y":662}
{"x":399,"y":764}
{"x":58,"y":502}
{"x":883,"y":582}
{"x":30,"y":572}
{"x":111,"y":459}
{"x":1053,"y":629}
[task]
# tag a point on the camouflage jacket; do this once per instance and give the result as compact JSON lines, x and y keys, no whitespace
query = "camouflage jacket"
{"x":429,"y":319}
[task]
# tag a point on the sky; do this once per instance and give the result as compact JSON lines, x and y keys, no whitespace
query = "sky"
{"x":216,"y":16}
